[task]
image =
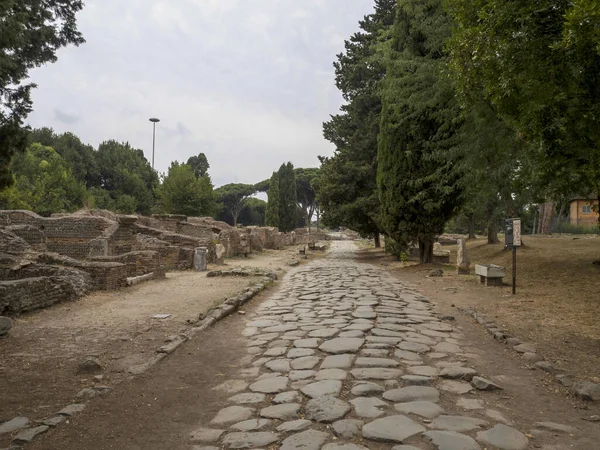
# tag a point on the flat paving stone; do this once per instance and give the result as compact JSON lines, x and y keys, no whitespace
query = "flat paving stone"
{"x":276,"y":351}
{"x":343,"y":361}
{"x":366,"y":387}
{"x":362,"y":361}
{"x":347,"y":428}
{"x":470,"y":404}
{"x":407,"y":355}
{"x":416,"y":380}
{"x":341,"y":345}
{"x":279,"y":365}
{"x":287,"y":397}
{"x":450,"y":440}
{"x":412,"y":393}
{"x":504,"y":437}
{"x":405,"y":447}
{"x":14,"y":424}
{"x":305,"y":362}
{"x":250,"y":439}
{"x":251,"y":425}
{"x":326,"y":409}
{"x":457,"y":423}
{"x":344,"y":447}
{"x":422,"y":408}
{"x":296,"y":375}
{"x":205,"y":435}
{"x":369,"y":407}
{"x":324,"y":333}
{"x":447,"y":347}
{"x":376,"y":373}
{"x":456,"y":387}
{"x":458,"y":373}
{"x":331,"y":374}
{"x":232,"y":414}
{"x":294,"y":425}
{"x":413,"y":347}
{"x":306,"y":440}
{"x":391,"y":429}
{"x":285,"y":411}
{"x":29,"y":434}
{"x":270,"y":385}
{"x":425,"y":371}
{"x":300,"y":352}
{"x":247,"y":398}
{"x":306,"y":343}
{"x":324,"y":387}
{"x":555,"y":427}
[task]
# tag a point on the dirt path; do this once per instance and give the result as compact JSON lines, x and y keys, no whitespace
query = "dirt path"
{"x":392,"y":340}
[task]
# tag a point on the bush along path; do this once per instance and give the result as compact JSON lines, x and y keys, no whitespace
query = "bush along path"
{"x":347,"y":357}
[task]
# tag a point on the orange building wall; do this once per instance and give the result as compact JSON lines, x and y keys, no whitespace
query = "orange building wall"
{"x":578,"y":217}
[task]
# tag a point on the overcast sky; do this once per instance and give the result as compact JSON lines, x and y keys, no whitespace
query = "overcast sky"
{"x":247,"y":82}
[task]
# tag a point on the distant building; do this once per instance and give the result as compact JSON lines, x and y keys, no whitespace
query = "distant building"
{"x":584,"y":211}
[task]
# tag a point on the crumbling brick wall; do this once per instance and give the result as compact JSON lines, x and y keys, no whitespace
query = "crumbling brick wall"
{"x":137,"y":262}
{"x":18,"y":296}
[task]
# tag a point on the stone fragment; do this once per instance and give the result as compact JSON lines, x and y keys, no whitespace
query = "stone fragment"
{"x":391,"y":428}
{"x":422,"y":408}
{"x":416,"y":380}
{"x":375,"y":362}
{"x":287,"y":397}
{"x":91,"y":365}
{"x":29,"y":434}
{"x":296,"y":375}
{"x":331,"y":374}
{"x":247,"y":398}
{"x":52,"y":421}
{"x":376,"y":373}
{"x":458,"y":373}
{"x":294,"y":425}
{"x":408,"y":356}
{"x":323,"y":333}
{"x":306,"y":440}
{"x":347,"y":428}
{"x":72,"y":409}
{"x":556,"y":427}
{"x":250,"y":439}
{"x":14,"y":424}
{"x":413,"y":347}
{"x":546,"y":367}
{"x":343,"y":361}
{"x":270,"y":385}
{"x":425,"y":371}
{"x":368,"y":407}
{"x":251,"y":425}
{"x":457,"y":423}
{"x":497,"y":416}
{"x":306,"y":343}
{"x":279,"y":365}
{"x":232,"y":414}
{"x":456,"y":387}
{"x":525,"y":348}
{"x":5,"y":325}
{"x":286,"y":411}
{"x":300,"y":352}
{"x":447,"y":347}
{"x":504,"y":437}
{"x":365,"y":388}
{"x":463,"y":261}
{"x":205,"y":435}
{"x":531,"y":357}
{"x":484,"y":384}
{"x":276,"y":351}
{"x":450,"y":440}
{"x":304,"y":363}
{"x":587,"y":390}
{"x":341,"y":345}
{"x":326,"y":409}
{"x":320,"y":388}
{"x":470,"y":404}
{"x":412,"y":393}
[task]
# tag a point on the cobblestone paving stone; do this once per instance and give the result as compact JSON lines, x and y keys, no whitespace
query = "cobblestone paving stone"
{"x":345,"y":356}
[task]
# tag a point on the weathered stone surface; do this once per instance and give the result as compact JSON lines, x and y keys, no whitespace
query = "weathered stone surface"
{"x":205,"y":435}
{"x":456,"y":387}
{"x":343,"y":361}
{"x":416,"y":380}
{"x":276,"y":351}
{"x":375,"y":362}
{"x":342,"y":345}
{"x":326,"y":409}
{"x":376,"y":373}
{"x":447,"y":347}
{"x":307,"y":440}
{"x":232,"y":414}
{"x":463,"y":261}
{"x":470,"y":404}
{"x":422,"y":408}
{"x":323,"y":333}
{"x":247,"y":398}
{"x":52,"y":421}
{"x":484,"y":384}
{"x":29,"y":434}
{"x":365,"y":388}
{"x":320,"y":388}
{"x":413,"y":347}
{"x":391,"y":428}
{"x":504,"y":437}
{"x":347,"y":428}
{"x":249,"y":439}
{"x":294,"y":425}
{"x":450,"y":440}
{"x":232,"y":386}
{"x":425,"y":371}
{"x":331,"y":374}
{"x":251,"y":425}
{"x":304,"y":363}
{"x":587,"y":390}
{"x":279,"y":365}
{"x":91,"y":365}
{"x":306,"y":343}
{"x":270,"y":385}
{"x":286,"y":411}
{"x":5,"y":325}
{"x":344,"y":447}
{"x":457,"y":423}
{"x":296,"y":375}
{"x":460,"y":373}
{"x":408,"y":356}
{"x":287,"y":397}
{"x":525,"y":348}
{"x":405,"y":447}
{"x":14,"y":424}
{"x":556,"y":427}
{"x":72,"y":409}
{"x":300,"y":352}
{"x":369,"y":407}
{"x":412,"y":393}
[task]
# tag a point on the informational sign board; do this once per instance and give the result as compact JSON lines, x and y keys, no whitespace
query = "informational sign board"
{"x":516,"y":232}
{"x":512,"y":233}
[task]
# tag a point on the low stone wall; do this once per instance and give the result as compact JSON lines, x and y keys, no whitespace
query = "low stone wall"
{"x":19,"y":296}
{"x":137,"y":263}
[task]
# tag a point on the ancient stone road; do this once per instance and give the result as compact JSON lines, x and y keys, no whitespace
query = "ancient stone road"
{"x":347,"y":357}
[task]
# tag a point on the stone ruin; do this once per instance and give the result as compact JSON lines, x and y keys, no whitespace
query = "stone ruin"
{"x":46,"y":260}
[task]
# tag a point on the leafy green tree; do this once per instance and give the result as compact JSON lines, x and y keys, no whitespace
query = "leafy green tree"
{"x":181,"y":192}
{"x":31,"y":32}
{"x":43,"y":183}
{"x":233,"y":196}
{"x":272,"y":213}
{"x":199,"y":164}
{"x":287,"y":198}
{"x":538,"y":65}
{"x":253,"y":212}
{"x":305,"y":193}
{"x":125,"y":171}
{"x":101,"y":199}
{"x":417,"y":176}
{"x":346,"y":187}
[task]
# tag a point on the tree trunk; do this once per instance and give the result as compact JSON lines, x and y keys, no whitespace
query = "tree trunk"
{"x":492,"y":232}
{"x":426,"y":251}
{"x":471,"y":226}
{"x":377,"y":239}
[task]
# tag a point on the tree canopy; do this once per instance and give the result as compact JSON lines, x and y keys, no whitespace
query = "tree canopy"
{"x":272,"y":212}
{"x":233,"y":196}
{"x":31,"y":32}
{"x":199,"y":164}
{"x":287,"y":198}
{"x":181,"y":192}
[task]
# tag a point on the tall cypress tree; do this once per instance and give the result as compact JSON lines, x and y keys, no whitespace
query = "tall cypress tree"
{"x":288,"y":208}
{"x":417,"y":176}
{"x":272,"y":213}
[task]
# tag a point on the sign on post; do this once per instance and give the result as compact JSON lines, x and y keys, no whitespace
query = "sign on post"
{"x":512,"y":239}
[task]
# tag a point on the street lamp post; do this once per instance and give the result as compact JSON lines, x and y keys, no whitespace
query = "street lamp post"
{"x":153,"y":120}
